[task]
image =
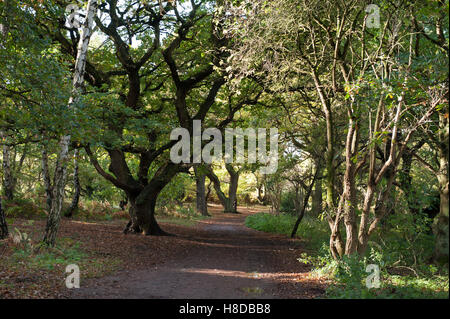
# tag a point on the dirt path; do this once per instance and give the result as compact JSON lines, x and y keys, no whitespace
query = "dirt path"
{"x":224,"y":260}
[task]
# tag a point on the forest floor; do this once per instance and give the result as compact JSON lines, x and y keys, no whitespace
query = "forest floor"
{"x":216,"y":257}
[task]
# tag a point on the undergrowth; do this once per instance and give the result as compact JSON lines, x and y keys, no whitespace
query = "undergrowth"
{"x":400,"y":250}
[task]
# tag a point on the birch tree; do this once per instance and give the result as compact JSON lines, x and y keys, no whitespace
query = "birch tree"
{"x":76,"y":186}
{"x":60,"y":169}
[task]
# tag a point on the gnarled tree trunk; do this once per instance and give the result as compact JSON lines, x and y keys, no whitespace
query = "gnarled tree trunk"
{"x":8,"y":177}
{"x":229,"y":203}
{"x":232,"y":190}
{"x":133,"y":224}
{"x":301,"y":211}
{"x":146,"y":200}
{"x":201,"y":203}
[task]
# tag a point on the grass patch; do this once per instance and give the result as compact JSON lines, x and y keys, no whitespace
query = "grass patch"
{"x":48,"y":258}
{"x":26,"y":255}
{"x":269,"y":223}
{"x":350,"y":283}
{"x":312,"y":230}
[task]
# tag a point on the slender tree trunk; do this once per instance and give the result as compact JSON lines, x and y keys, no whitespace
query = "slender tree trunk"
{"x":305,"y":204}
{"x":200,"y":180}
{"x":441,"y":221}
{"x":349,"y":190}
{"x":47,"y":179}
{"x":316,"y":208}
{"x":60,"y":170}
{"x":298,"y":200}
{"x":336,"y":244}
{"x":216,"y":183}
{"x":208,"y":192}
{"x":76,"y":185}
{"x":8,"y":177}
{"x":337,"y":248}
{"x":59,"y":182}
{"x":3,"y":224}
{"x":383,"y":207}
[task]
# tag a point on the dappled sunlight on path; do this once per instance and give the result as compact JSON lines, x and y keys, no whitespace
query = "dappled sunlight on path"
{"x":224,"y":260}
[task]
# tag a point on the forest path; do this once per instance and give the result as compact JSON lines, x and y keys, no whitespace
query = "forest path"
{"x":224,"y":260}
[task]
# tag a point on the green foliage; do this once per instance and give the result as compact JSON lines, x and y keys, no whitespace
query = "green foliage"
{"x":287,"y":202}
{"x":279,"y":224}
{"x":23,"y":208}
{"x":48,"y":258}
{"x":175,"y":191}
{"x":350,"y":276}
{"x":31,"y":64}
{"x":91,"y":210}
{"x":404,"y":240}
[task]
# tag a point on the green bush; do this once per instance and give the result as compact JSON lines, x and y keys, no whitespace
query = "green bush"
{"x":269,"y":223}
{"x":91,"y":210}
{"x":287,"y":202}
